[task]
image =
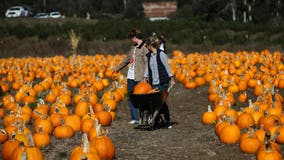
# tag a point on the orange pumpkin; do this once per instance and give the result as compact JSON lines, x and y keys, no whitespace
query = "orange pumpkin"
{"x":142,"y":88}
{"x":63,"y":131}
{"x":31,"y":151}
{"x":84,"y":151}
{"x":267,"y":121}
{"x":250,"y":144}
{"x":74,"y":121}
{"x":267,"y":151}
{"x":230,"y":134}
{"x":209,"y":117}
{"x":104,"y":118}
{"x":104,"y":146}
{"x":245,"y":120}
{"x":9,"y":146}
{"x":41,"y":139}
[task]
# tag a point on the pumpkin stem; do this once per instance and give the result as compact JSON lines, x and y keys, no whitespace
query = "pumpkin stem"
{"x":272,"y":90}
{"x":223,"y":117}
{"x":84,"y":137}
{"x":99,"y":130}
{"x":267,"y":146}
{"x":231,"y":120}
{"x":11,"y":113}
{"x":101,"y":100}
{"x":56,"y":110}
{"x":62,"y":121}
{"x":12,"y":99}
{"x":24,"y":156}
{"x":266,"y":90}
{"x":86,"y":143}
{"x":83,"y":157}
{"x":91,"y":109}
{"x":256,"y":109}
{"x":43,"y":116}
{"x":40,"y":128}
{"x":250,"y":104}
{"x":3,"y":132}
{"x":96,"y":122}
{"x":209,"y":108}
{"x":12,"y":136}
{"x":230,"y":105}
{"x":20,"y":129}
{"x":261,"y":127}
{"x":41,"y":101}
{"x":266,"y":113}
{"x":267,"y":135}
{"x":107,"y":108}
{"x":31,"y":142}
{"x":251,"y":132}
{"x":275,"y":135}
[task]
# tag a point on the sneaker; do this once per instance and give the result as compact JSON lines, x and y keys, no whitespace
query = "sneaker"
{"x":133,"y":122}
{"x":168,"y":125}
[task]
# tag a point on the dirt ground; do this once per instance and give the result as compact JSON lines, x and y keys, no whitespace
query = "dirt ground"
{"x":188,"y":139}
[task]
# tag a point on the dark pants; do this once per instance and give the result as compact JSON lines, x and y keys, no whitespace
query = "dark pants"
{"x":164,"y":111}
{"x":133,"y":111}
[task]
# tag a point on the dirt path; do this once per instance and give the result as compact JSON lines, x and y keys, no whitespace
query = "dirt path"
{"x":189,"y":139}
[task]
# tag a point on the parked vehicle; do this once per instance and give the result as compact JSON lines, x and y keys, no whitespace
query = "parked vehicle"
{"x":17,"y":11}
{"x":41,"y":15}
{"x":55,"y":15}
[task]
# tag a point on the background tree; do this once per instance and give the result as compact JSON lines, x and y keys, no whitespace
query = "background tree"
{"x":248,"y":11}
{"x":133,"y":9}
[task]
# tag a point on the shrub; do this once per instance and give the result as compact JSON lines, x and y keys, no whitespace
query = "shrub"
{"x":220,"y":38}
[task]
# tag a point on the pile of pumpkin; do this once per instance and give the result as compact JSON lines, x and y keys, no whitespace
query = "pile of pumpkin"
{"x":59,"y":96}
{"x":258,"y":126}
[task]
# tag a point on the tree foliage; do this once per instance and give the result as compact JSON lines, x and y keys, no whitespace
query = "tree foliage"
{"x":256,"y":11}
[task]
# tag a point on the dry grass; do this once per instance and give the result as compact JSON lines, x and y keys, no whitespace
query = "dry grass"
{"x":74,"y":41}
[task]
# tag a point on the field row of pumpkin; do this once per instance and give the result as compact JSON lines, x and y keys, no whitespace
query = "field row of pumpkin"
{"x":258,"y":126}
{"x":59,"y":96}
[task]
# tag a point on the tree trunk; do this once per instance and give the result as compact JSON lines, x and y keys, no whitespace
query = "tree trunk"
{"x":245,"y":16}
{"x":245,"y":13}
{"x":249,"y":13}
{"x":278,"y":8}
{"x":44,"y":6}
{"x":234,"y":6}
{"x":124,"y":3}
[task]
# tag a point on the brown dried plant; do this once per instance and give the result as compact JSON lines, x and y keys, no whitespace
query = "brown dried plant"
{"x":74,"y":41}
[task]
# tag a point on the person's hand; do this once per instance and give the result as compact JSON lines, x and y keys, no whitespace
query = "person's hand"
{"x":172,"y":81}
{"x":114,"y":72}
{"x":145,"y":79}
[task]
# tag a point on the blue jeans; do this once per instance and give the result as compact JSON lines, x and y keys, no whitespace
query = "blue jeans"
{"x":133,"y":111}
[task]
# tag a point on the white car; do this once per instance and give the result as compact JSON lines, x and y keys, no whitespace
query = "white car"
{"x":41,"y":15}
{"x":17,"y":11}
{"x":55,"y":15}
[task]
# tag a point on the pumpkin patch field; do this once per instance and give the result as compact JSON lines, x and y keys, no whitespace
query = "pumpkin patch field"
{"x":225,"y":106}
